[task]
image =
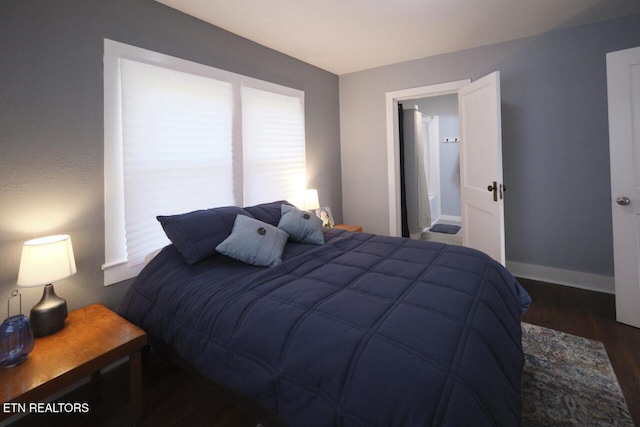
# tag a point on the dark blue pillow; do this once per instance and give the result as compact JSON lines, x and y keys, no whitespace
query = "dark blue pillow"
{"x":196,"y":234}
{"x":268,"y":212}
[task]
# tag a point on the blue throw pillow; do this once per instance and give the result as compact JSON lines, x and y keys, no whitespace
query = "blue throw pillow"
{"x":196,"y":234}
{"x":254,"y":242}
{"x":301,"y":226}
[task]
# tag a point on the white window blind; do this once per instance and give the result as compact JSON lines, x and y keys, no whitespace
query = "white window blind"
{"x":274,"y":165}
{"x":181,"y":136}
{"x":177,"y":149}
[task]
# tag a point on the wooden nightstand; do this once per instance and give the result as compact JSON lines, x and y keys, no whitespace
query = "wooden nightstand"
{"x":93,"y":338}
{"x":356,"y":228}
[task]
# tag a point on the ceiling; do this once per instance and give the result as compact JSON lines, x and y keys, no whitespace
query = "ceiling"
{"x":343,"y":36}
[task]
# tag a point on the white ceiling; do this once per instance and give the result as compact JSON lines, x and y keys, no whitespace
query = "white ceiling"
{"x":344,"y":36}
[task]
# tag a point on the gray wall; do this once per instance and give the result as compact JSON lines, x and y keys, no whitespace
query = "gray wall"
{"x":555,"y":140}
{"x":51,"y":121}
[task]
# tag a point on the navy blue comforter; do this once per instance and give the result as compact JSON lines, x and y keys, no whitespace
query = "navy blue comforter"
{"x":364,"y":330}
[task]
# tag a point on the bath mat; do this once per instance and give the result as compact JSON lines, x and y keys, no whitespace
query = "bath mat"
{"x":445,"y":228}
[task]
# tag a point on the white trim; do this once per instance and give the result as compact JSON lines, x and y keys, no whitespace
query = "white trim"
{"x":114,"y":268}
{"x":393,"y":151}
{"x":114,"y":50}
{"x":114,"y":271}
{"x":575,"y":279}
{"x":452,"y":218}
{"x":118,"y":272}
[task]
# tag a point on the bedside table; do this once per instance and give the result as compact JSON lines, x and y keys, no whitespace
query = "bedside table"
{"x":356,"y":228}
{"x":93,"y":338}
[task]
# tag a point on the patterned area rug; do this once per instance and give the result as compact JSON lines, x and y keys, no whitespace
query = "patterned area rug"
{"x":569,"y":381}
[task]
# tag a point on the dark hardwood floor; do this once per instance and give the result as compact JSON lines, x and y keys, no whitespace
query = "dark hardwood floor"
{"x":591,"y":315}
{"x":173,"y":398}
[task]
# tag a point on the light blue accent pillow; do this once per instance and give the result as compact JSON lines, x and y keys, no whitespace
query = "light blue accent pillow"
{"x":301,"y":226}
{"x":254,"y":242}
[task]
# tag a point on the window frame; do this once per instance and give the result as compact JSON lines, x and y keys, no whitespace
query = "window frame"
{"x":116,"y":267}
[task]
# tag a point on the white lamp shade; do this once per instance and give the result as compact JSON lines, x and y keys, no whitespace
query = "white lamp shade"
{"x":46,"y":260}
{"x":311,"y":200}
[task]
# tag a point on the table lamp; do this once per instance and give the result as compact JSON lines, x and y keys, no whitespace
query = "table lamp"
{"x":44,"y":261}
{"x":311,"y":201}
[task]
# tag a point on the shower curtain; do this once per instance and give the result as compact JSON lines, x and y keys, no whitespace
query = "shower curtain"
{"x":422,"y":153}
{"x":415,"y":209}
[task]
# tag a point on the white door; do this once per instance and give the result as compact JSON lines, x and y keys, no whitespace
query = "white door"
{"x":481,"y":183}
{"x":623,"y":86}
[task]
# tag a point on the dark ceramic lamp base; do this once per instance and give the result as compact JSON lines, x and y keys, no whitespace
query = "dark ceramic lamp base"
{"x":48,"y":315}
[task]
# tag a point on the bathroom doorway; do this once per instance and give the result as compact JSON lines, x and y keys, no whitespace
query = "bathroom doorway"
{"x":481,"y":178}
{"x":440,"y":134}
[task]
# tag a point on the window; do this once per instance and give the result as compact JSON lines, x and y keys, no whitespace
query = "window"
{"x":181,"y":136}
{"x":272,"y":128}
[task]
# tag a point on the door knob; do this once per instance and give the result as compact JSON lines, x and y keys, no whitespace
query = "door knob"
{"x":623,"y":200}
{"x":494,"y":188}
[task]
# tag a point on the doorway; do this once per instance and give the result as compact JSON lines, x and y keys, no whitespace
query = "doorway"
{"x":481,"y":182}
{"x":440,"y":135}
{"x":393,"y":150}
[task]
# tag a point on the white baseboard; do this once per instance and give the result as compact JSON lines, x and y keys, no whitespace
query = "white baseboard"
{"x":576,"y":279}
{"x":451,"y":218}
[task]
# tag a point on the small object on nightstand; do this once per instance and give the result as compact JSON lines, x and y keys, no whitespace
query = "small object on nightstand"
{"x":16,"y":337}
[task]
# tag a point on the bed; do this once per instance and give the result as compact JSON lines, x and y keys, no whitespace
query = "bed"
{"x":355,"y":330}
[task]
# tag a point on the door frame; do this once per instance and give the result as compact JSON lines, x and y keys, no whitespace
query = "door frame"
{"x":393,"y":143}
